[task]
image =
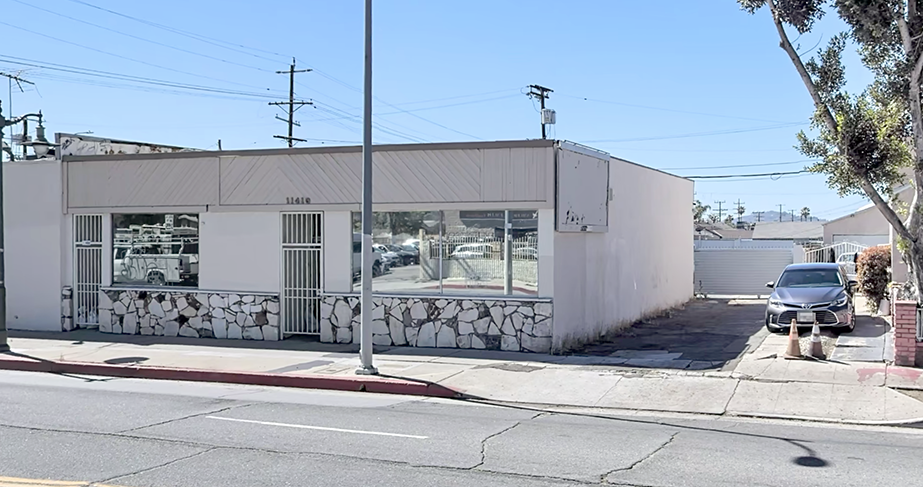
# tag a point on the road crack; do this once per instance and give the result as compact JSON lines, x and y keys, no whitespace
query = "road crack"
{"x":190,"y":416}
{"x":494,"y":435}
{"x":650,"y":455}
{"x":155,"y":467}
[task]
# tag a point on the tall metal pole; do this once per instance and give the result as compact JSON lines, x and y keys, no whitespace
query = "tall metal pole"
{"x":4,"y":345}
{"x":507,"y":254}
{"x":365,"y":299}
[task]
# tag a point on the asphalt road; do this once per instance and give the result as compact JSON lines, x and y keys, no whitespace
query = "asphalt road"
{"x":161,"y":434}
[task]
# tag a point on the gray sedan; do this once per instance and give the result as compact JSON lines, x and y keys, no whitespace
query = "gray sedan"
{"x":809,"y":293}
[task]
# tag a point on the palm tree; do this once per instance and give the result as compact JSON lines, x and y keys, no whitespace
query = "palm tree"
{"x":805,"y":214}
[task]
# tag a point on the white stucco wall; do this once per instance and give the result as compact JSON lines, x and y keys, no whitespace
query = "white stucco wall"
{"x":240,"y":251}
{"x":34,"y":222}
{"x":338,"y":251}
{"x":643,"y":265}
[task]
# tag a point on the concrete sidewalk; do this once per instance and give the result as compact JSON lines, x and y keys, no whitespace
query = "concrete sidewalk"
{"x":762,"y":385}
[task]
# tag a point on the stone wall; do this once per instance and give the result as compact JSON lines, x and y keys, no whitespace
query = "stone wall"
{"x":189,"y":314}
{"x":438,"y":321}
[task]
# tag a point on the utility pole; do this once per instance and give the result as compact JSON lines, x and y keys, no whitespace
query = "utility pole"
{"x":720,"y":211}
{"x":780,"y":213}
{"x":540,"y":92}
{"x":740,"y":210}
{"x":759,"y":216}
{"x":19,"y":81}
{"x":365,"y":296}
{"x":291,"y":104}
{"x":793,"y":215}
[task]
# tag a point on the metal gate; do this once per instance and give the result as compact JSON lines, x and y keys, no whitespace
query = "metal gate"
{"x":88,"y":268}
{"x":739,"y":268}
{"x":302,"y":267}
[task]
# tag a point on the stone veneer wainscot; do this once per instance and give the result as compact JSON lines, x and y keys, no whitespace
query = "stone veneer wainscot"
{"x":445,"y":322}
{"x":189,"y":314}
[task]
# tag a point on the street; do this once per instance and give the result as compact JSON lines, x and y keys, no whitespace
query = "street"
{"x":138,"y":433}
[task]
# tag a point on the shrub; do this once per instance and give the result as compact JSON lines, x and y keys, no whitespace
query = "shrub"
{"x":873,"y":272}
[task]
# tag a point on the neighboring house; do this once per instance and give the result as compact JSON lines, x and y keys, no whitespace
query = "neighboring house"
{"x":866,"y":226}
{"x":720,"y":231}
{"x":801,"y":233}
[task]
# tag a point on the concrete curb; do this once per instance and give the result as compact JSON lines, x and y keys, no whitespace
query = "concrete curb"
{"x":376,"y":384}
{"x":563,"y":409}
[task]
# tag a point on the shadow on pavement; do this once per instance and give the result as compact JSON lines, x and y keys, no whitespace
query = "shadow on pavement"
{"x":704,"y":334}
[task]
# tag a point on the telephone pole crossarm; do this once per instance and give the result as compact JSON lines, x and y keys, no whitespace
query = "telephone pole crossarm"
{"x":292,"y":104}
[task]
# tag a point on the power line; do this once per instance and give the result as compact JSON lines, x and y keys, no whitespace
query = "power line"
{"x":674,"y":110}
{"x":767,"y":174}
{"x":141,"y":38}
{"x":125,"y":57}
{"x":696,"y":134}
{"x":739,"y":165}
{"x":124,"y":77}
{"x":400,"y":110}
{"x":201,"y":38}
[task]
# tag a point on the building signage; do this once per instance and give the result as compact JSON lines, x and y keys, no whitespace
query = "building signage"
{"x":497,"y":215}
{"x":297,"y":200}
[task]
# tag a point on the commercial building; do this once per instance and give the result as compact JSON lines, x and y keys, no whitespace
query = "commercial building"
{"x":532,"y":245}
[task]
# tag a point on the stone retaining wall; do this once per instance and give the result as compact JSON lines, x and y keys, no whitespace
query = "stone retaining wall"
{"x":511,"y":325}
{"x":189,"y":314}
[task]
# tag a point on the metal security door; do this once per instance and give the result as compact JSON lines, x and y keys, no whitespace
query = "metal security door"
{"x":88,"y":269}
{"x":301,"y":273}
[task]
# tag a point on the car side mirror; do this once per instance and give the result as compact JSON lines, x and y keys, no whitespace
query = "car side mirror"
{"x":852,"y":286}
{"x":770,"y":284}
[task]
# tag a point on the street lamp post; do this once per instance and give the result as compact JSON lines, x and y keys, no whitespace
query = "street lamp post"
{"x":41,"y":148}
{"x":365,"y":298}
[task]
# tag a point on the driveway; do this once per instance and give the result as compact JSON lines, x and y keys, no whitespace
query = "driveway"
{"x":705,"y":334}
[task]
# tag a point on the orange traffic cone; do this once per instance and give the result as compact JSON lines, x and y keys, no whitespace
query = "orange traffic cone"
{"x":817,"y":348}
{"x":794,"y":346}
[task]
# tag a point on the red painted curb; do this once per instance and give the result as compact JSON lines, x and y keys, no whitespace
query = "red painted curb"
{"x":382,"y":385}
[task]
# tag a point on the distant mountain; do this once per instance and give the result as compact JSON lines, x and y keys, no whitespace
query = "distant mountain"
{"x":773,"y":216}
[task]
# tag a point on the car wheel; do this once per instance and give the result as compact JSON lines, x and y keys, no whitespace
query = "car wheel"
{"x":156,"y":279}
{"x":376,"y":269}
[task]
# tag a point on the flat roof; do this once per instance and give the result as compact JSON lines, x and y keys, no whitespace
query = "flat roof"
{"x":814,"y":265}
{"x":500,"y":144}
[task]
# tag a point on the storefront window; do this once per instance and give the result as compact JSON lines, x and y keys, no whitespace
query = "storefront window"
{"x":452,"y":252}
{"x":155,"y":250}
{"x":397,"y":238}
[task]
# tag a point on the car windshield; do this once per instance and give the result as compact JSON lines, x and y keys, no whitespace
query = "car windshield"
{"x":410,"y":248}
{"x":810,"y":278}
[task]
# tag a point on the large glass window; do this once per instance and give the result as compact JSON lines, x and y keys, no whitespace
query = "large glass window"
{"x":155,"y":249}
{"x":452,"y":252}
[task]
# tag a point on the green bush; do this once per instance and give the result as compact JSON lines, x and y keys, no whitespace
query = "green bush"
{"x":873,"y":272}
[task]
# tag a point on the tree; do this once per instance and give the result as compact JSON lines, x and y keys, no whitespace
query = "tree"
{"x":712,"y":218}
{"x":865,"y":139}
{"x":740,"y":212}
{"x":729,"y":220}
{"x":698,"y":211}
{"x":805,"y":214}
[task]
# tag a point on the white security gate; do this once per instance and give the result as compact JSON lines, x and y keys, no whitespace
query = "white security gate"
{"x":301,"y":273}
{"x":88,"y":268}
{"x":743,"y":270}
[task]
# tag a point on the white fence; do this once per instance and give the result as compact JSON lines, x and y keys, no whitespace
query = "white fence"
{"x":476,"y":259}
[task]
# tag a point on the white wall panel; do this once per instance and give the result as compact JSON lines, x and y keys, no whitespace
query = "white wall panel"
{"x":239,"y":251}
{"x":33,"y":254}
{"x":643,"y":265}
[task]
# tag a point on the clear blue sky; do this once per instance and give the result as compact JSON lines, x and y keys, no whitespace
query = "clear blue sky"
{"x":676,"y":85}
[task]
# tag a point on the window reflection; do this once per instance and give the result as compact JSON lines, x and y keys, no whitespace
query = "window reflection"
{"x":155,"y":249}
{"x":452,"y":252}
